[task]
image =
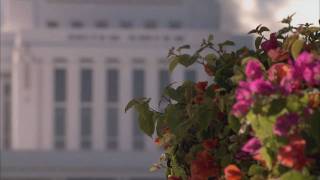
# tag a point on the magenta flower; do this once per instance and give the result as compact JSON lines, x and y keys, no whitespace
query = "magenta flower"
{"x":241,"y":108}
{"x":261,"y":86}
{"x":303,"y":60}
{"x":272,"y":43}
{"x":284,"y":124}
{"x":316,"y":72}
{"x":254,"y":70}
{"x":252,"y":146}
{"x":311,"y":74}
{"x":292,"y":82}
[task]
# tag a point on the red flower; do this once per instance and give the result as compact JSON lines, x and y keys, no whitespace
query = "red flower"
{"x":314,"y":100}
{"x":232,"y":172}
{"x":201,"y":86}
{"x":272,"y":43}
{"x":209,"y":144}
{"x":278,"y":71}
{"x":199,"y":99}
{"x":157,"y":141}
{"x":292,"y":155}
{"x":278,"y":55}
{"x":203,"y":167}
{"x":174,"y":177}
{"x":215,"y":87}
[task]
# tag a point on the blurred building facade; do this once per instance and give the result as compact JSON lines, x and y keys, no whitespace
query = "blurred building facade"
{"x":68,"y":68}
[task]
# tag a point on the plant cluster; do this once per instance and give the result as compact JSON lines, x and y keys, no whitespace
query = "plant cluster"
{"x":259,"y":117}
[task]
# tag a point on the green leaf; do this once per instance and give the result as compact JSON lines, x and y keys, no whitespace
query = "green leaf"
{"x":295,"y":175}
{"x":296,"y":48}
{"x":234,"y":123}
{"x":283,"y":30}
{"x":186,"y":60}
{"x":257,"y":42}
{"x":295,"y":103}
{"x":227,"y":43}
{"x":226,"y":160}
{"x":145,"y":118}
{"x":263,"y":29}
{"x":276,"y":106}
{"x":173,"y":116}
{"x":288,"y":19}
{"x":134,"y":102}
{"x":210,"y":38}
{"x":255,"y":169}
{"x":130,"y":104}
{"x":172,"y":93}
{"x":267,"y":156}
{"x":315,"y":127}
{"x":186,"y":46}
{"x":173,"y":63}
{"x":204,"y":115}
{"x":211,"y":58}
{"x":252,"y":31}
{"x":262,"y":125}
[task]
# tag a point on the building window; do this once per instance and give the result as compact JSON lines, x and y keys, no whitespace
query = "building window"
{"x":86,"y":85}
{"x":138,"y":91}
{"x":60,"y":85}
{"x":6,"y":114}
{"x":59,"y":127}
{"x":52,"y":24}
{"x":190,"y":75}
{"x":126,"y":24}
{"x":77,"y":24}
{"x":112,"y":117}
{"x":101,"y":24}
{"x":175,"y":24}
{"x":150,"y":24}
{"x":112,"y":85}
{"x":86,"y":127}
{"x":112,"y":128}
{"x":59,"y":108}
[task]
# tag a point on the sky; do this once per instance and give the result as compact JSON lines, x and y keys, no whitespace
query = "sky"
{"x":247,"y":14}
{"x":270,"y":12}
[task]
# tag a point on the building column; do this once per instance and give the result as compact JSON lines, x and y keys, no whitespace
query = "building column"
{"x":125,"y":119}
{"x":73,"y":106}
{"x":98,"y":121}
{"x":151,"y":91}
{"x":47,"y":105}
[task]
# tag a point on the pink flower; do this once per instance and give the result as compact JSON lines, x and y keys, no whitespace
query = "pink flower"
{"x":272,"y":43}
{"x":241,"y":108}
{"x":254,"y":70}
{"x":243,"y":94}
{"x":261,"y":86}
{"x":292,"y":82}
{"x":252,"y":146}
{"x":284,"y":124}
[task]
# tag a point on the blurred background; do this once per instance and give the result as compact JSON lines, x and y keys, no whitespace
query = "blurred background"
{"x":69,"y":67}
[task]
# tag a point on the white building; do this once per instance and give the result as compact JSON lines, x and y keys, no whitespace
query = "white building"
{"x":69,"y":67}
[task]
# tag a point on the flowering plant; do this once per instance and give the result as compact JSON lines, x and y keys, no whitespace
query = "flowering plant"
{"x":257,"y":119}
